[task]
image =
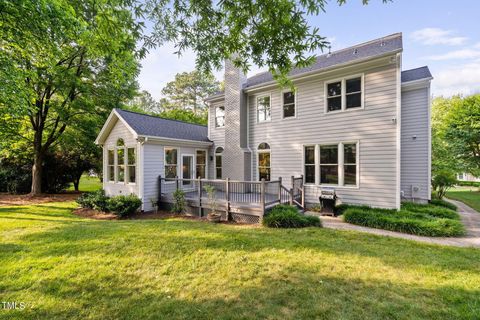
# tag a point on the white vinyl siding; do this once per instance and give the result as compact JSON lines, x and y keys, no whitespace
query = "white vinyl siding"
{"x":372,"y":127}
{"x":415,"y":144}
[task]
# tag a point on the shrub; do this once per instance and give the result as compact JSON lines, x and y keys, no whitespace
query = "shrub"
{"x":442,"y":181}
{"x":124,"y":205}
{"x":443,"y":203}
{"x":405,"y":221}
{"x":179,"y":203}
{"x":342,"y":207}
{"x":432,"y":210}
{"x":96,"y":200}
{"x":468,"y":183}
{"x":284,"y":216}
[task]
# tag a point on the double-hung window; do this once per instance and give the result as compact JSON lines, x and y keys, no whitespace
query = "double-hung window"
{"x":336,"y":164}
{"x":263,"y":109}
{"x":131,"y":165}
{"x":220,"y":117}
{"x":171,"y":163}
{"x":329,"y":164}
{"x":309,"y":158}
{"x":288,"y":107}
{"x":344,"y":94}
{"x":218,"y":163}
{"x":111,"y":165}
{"x":201,"y":164}
{"x":120,"y":160}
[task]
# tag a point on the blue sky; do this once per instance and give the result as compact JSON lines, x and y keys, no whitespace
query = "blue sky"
{"x":445,"y":35}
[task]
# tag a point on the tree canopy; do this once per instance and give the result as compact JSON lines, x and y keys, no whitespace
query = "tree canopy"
{"x":63,"y":61}
{"x":456,"y":134}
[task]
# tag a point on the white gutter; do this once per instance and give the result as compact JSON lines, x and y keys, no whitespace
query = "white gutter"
{"x":165,"y":139}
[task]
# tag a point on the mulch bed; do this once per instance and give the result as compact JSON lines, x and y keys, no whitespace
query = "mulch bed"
{"x":7,"y":199}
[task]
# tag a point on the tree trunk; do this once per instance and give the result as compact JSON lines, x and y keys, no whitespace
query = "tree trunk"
{"x":75,"y":184}
{"x":37,"y":174}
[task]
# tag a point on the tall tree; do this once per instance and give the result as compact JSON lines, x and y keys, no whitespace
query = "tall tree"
{"x":456,"y":134}
{"x":62,"y":60}
{"x":188,"y":91}
{"x":268,"y":33}
{"x":144,"y":102}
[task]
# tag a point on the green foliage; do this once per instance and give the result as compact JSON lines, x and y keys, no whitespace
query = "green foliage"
{"x":211,"y":193}
{"x":468,"y":183}
{"x":65,"y":64}
{"x":340,"y":209}
{"x":443,"y":203}
{"x":431,"y":209}
{"x":96,"y":200}
{"x":413,"y":219}
{"x":124,"y":205}
{"x":179,"y":202}
{"x":284,"y":216}
{"x":442,"y":181}
{"x":188,"y":92}
{"x":456,"y":134}
{"x":185,"y":115}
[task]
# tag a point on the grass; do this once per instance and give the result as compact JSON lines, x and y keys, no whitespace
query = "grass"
{"x":88,"y":184}
{"x":468,"y":195}
{"x":418,"y":219}
{"x":66,"y":267}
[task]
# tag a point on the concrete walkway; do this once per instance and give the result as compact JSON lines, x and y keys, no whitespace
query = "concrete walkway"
{"x":470,"y":218}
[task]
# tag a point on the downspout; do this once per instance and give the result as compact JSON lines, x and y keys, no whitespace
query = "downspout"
{"x":141,"y":170}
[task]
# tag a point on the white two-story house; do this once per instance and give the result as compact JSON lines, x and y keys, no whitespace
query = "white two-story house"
{"x":355,"y":122}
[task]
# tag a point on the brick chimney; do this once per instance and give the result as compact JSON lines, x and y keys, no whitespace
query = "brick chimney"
{"x":236,"y":157}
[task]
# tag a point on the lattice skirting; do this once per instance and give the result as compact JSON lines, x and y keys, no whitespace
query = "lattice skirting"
{"x":245,"y":218}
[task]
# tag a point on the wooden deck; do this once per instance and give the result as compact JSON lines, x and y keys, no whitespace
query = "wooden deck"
{"x":243,"y":201}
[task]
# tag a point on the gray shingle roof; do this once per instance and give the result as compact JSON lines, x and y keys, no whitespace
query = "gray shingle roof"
{"x":146,"y":125}
{"x":370,"y":49}
{"x":416,"y":74}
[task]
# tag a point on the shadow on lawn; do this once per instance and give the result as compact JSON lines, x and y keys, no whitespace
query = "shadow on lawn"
{"x":301,"y":295}
{"x":184,"y":236}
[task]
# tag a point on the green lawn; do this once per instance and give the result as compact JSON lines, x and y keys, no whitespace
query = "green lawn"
{"x":88,"y":184}
{"x":468,"y":195}
{"x":67,"y":267}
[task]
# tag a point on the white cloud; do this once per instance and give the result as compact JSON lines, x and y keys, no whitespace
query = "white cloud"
{"x":433,"y":36}
{"x":457,"y":54}
{"x":463,"y":79}
{"x":477,"y":46}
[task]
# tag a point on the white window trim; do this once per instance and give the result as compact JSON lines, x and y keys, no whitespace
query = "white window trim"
{"x":256,"y":106}
{"x":215,"y":117}
{"x":295,"y":103}
{"x":344,"y":94}
{"x":124,"y":147}
{"x":165,"y":163}
{"x":206,"y":162}
{"x":127,"y":169}
{"x":314,"y":164}
{"x":191,"y":185}
{"x":258,"y":160}
{"x":340,"y":164}
{"x":215,"y":162}
{"x":112,"y":148}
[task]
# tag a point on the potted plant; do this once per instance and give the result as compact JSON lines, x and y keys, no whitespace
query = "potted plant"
{"x":213,"y":215}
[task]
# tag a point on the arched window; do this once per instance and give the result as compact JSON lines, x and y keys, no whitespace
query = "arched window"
{"x":218,"y":162}
{"x":264,"y":161}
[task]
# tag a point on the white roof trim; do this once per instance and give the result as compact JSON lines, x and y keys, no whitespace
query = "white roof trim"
{"x":416,"y":84}
{"x":169,"y":140}
{"x":102,"y":136}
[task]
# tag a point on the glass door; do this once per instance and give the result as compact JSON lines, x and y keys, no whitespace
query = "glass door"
{"x":187,"y":169}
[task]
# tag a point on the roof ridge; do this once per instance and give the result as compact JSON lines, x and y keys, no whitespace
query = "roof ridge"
{"x":158,"y":117}
{"x":415,"y":68}
{"x":393,"y":35}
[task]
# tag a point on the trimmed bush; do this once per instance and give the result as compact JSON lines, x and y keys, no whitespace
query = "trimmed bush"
{"x":284,"y":216}
{"x":179,"y":202}
{"x":432,"y":210}
{"x":418,"y":223}
{"x":96,"y":200}
{"x":124,"y":205}
{"x":342,"y":207}
{"x":468,"y":183}
{"x":443,"y":203}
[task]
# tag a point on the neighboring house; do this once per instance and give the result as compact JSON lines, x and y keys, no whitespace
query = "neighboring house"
{"x":355,"y":123}
{"x":467,"y":177}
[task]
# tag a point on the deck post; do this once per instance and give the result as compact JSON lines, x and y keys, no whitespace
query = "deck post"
{"x":280,"y":190}
{"x":262,"y":195}
{"x":176,"y":181}
{"x":292,"y":178}
{"x":303,"y":192}
{"x":291,"y":196}
{"x":200,"y":195}
{"x":227,"y":195}
{"x":159,"y":190}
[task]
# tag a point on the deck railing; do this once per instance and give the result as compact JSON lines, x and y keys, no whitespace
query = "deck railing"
{"x":258,"y":194}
